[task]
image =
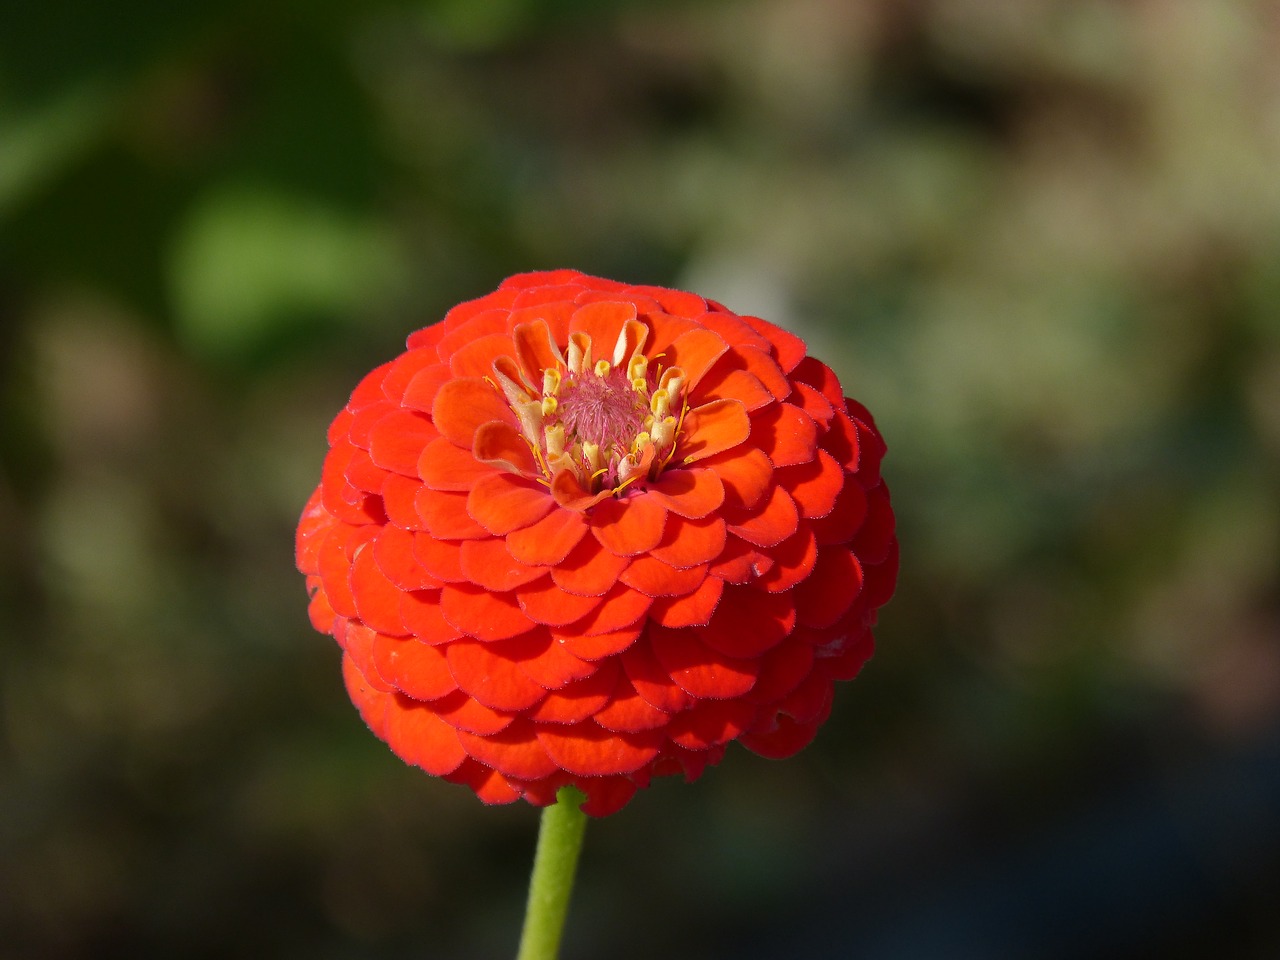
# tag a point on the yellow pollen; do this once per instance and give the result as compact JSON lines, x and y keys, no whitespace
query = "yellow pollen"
{"x":549,"y":405}
{"x":602,"y":368}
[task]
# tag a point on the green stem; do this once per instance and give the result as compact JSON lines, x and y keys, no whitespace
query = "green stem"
{"x":554,"y":865}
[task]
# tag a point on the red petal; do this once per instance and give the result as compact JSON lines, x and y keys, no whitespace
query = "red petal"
{"x":589,"y":570}
{"x":788,"y":349}
{"x":461,"y":406}
{"x":420,"y":610}
{"x":785,"y":740}
{"x":372,"y":703}
{"x":831,"y":588}
{"x":399,"y":495}
{"x":419,"y":737}
{"x":442,"y":559}
{"x":740,"y":562}
{"x":782,"y":669}
{"x":444,"y":465}
{"x":811,"y":401}
{"x":363,"y":474}
{"x":501,"y":445}
{"x":397,"y":440}
{"x":481,"y":614}
{"x":464,"y":712}
{"x":489,"y":786}
{"x":544,"y":602}
{"x":688,"y":493}
{"x":514,"y":751}
{"x":462,"y":331}
{"x":412,"y":667}
{"x":629,"y":526}
{"x":312,"y":525}
{"x":357,"y":640}
{"x":841,"y":441}
{"x":695,"y":352}
{"x":492,"y":679}
{"x":652,"y":682}
{"x":597,"y":646}
{"x":335,"y":570}
{"x":845,"y":517}
{"x":420,"y":392}
{"x":549,"y":540}
{"x":654,"y":578}
{"x":619,"y":607}
{"x":503,"y":503}
{"x":628,"y":712}
{"x":765,"y":369}
{"x":403,"y":369}
{"x":745,"y":473}
{"x":815,"y":485}
{"x":548,"y":663}
{"x":570,"y":494}
{"x":793,"y":560}
{"x":393,"y":553}
{"x":769,"y":524}
{"x":580,"y":699}
{"x":445,"y":515}
{"x":589,"y":750}
{"x":786,"y":433}
{"x":875,"y":536}
{"x":377,"y":599}
{"x":748,"y":622}
{"x":819,"y":375}
{"x":687,"y":543}
{"x":711,"y":723}
{"x":488,"y":564}
{"x":712,"y":428}
{"x":737,"y":384}
{"x":693,"y":610}
{"x":699,"y":670}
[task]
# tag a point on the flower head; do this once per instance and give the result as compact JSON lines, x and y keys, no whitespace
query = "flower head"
{"x":587,"y":533}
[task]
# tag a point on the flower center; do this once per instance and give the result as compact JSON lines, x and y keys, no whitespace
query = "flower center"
{"x":611,"y":422}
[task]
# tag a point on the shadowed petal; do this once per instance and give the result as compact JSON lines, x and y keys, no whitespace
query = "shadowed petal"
{"x":698,"y":669}
{"x":748,"y":622}
{"x":688,"y":493}
{"x":513,"y":751}
{"x":589,"y":750}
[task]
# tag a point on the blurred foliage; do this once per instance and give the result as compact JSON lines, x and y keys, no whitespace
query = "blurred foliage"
{"x":1040,"y":240}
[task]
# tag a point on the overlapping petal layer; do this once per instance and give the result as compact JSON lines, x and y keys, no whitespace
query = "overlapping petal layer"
{"x":696,"y":560}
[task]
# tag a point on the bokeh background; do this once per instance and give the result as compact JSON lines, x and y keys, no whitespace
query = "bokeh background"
{"x":1041,"y":240}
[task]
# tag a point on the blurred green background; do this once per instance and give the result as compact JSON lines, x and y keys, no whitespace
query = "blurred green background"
{"x":1040,"y":240}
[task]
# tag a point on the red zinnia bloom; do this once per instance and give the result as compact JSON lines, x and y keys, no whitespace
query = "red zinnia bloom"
{"x":583,"y":532}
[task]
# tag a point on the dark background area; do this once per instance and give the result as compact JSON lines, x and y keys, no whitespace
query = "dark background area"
{"x":1040,"y":240}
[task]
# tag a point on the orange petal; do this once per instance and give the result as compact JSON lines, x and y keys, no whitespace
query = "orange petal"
{"x":740,"y":385}
{"x":403,"y":369}
{"x":579,"y":699}
{"x":689,"y":493}
{"x":357,"y":641}
{"x":711,"y":723}
{"x":602,"y":321}
{"x":652,"y":682}
{"x":687,"y":543}
{"x":481,"y":614}
{"x":445,"y":516}
{"x":488,"y":564}
{"x":444,"y":465}
{"x":475,"y":359}
{"x":786,"y":433}
{"x":712,"y":428}
{"x":654,"y":578}
{"x":462,"y":327}
{"x":440,"y":558}
{"x":748,"y":622}
{"x":699,"y":670}
{"x":421,"y":738}
{"x":628,"y":712}
{"x":570,"y":494}
{"x":396,"y":441}
{"x":831,"y":588}
{"x":513,"y":752}
{"x":745,"y":473}
{"x":619,"y":607}
{"x":588,"y":750}
{"x":464,"y":712}
{"x":334,"y":569}
{"x":393,"y":553}
{"x":598,"y":646}
{"x":549,"y":540}
{"x":544,"y":602}
{"x":420,"y":393}
{"x":769,"y":524}
{"x":372,"y":702}
{"x":461,"y":406}
{"x":536,"y":351}
{"x":628,"y":526}
{"x":589,"y":569}
{"x":314,"y":522}
{"x":502,"y":445}
{"x":503,"y":502}
{"x":814,"y":485}
{"x":399,"y":500}
{"x":692,"y":610}
{"x":420,"y":611}
{"x":414,"y":668}
{"x":695,"y":352}
{"x":765,"y":369}
{"x":493,"y":680}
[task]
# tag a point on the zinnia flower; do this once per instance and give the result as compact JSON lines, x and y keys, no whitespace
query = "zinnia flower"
{"x":587,"y":533}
